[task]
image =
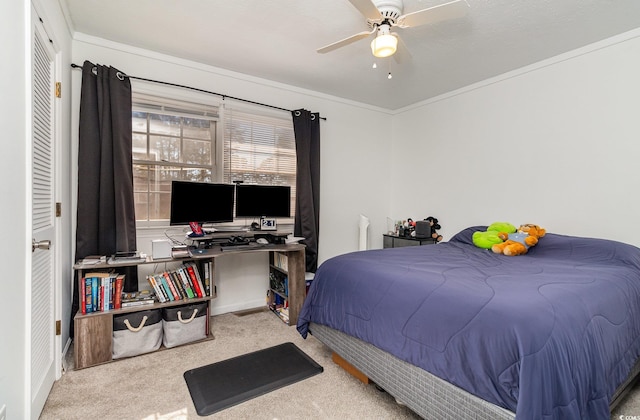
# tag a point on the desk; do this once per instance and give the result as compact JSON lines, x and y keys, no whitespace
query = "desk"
{"x":93,"y":332}
{"x":295,"y":269}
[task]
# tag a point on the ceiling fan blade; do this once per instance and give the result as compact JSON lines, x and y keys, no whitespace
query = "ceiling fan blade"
{"x":402,"y":54}
{"x":346,"y":41}
{"x":452,"y":10}
{"x":367,"y":8}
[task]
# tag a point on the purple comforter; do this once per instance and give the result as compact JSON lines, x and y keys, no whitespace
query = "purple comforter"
{"x":550,"y":334}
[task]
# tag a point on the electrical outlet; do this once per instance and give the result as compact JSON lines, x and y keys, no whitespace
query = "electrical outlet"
{"x":3,"y":412}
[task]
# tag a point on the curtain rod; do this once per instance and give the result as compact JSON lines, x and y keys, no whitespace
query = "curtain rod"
{"x":75,"y":66}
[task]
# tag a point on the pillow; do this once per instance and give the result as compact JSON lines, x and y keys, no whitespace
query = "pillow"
{"x":465,"y":236}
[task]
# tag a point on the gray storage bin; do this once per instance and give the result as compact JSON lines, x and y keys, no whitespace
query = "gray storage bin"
{"x":184,"y":324}
{"x":136,"y":333}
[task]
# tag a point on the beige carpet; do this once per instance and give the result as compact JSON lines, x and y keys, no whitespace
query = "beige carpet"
{"x":151,"y":387}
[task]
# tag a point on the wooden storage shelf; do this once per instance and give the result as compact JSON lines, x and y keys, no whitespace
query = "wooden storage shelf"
{"x":93,"y":332}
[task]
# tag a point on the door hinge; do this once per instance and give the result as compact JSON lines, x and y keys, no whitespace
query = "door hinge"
{"x":58,"y":209}
{"x":58,"y":327}
{"x":58,"y":90}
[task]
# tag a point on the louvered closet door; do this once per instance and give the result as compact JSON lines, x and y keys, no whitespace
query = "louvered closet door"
{"x":43,"y":223}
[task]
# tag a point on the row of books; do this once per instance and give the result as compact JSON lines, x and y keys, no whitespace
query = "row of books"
{"x":278,"y":304}
{"x":185,"y":282}
{"x":100,"y":291}
{"x":283,"y":313}
{"x":281,"y":261}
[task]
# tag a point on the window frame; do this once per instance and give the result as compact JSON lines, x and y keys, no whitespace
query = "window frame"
{"x":168,"y":93}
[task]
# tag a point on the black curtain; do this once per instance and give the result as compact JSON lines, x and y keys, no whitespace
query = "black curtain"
{"x":306,"y":127}
{"x":105,"y":213}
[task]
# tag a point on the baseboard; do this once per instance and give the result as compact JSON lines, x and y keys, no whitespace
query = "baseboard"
{"x":246,"y":312}
{"x":237,"y":307}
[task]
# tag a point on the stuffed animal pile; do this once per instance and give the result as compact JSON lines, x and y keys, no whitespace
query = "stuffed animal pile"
{"x":504,"y":238}
{"x":407,"y":228}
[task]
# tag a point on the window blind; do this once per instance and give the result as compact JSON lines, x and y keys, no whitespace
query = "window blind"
{"x":259,"y":149}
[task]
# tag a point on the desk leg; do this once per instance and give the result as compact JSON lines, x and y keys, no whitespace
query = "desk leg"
{"x":297,"y":284}
{"x":93,"y":339}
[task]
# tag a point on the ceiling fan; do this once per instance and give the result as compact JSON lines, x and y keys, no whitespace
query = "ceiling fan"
{"x":382,"y":15}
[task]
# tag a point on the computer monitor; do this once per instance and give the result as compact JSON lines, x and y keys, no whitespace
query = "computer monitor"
{"x":263,"y":200}
{"x":201,"y":202}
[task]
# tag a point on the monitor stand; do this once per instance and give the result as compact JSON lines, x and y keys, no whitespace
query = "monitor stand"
{"x":230,"y":229}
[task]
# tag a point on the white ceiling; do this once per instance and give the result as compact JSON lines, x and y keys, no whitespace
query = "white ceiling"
{"x":277,"y":40}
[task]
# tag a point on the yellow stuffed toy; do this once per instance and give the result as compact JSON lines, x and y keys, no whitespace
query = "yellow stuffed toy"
{"x":518,"y":243}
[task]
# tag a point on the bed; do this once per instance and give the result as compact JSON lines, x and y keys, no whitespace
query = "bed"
{"x":454,"y":330}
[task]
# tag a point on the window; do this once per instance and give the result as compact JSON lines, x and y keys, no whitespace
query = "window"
{"x":183,"y":140}
{"x":171,"y":140}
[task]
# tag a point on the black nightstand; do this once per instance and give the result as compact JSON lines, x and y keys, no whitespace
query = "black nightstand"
{"x":393,"y":241}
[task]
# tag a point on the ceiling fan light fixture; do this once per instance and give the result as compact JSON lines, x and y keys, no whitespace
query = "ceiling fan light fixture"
{"x":384,"y":45}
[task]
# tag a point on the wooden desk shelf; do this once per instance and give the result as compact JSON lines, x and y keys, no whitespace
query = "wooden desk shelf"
{"x":93,"y":339}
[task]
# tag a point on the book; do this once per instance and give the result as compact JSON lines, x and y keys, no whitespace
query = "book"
{"x":280,"y":261}
{"x":207,"y":268}
{"x":88,"y":281}
{"x":178,"y":283}
{"x":154,"y":285}
{"x":142,"y":297}
{"x":137,"y":303}
{"x":194,"y":280}
{"x":196,"y":270}
{"x":182,"y":270}
{"x":106,"y":292}
{"x":117,"y":293}
{"x":185,"y":282}
{"x":83,"y":296}
{"x":95,"y":304}
{"x":165,"y":285}
{"x":158,"y":280}
{"x":176,"y":295}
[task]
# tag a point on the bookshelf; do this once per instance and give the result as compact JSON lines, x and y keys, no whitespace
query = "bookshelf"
{"x":93,"y":341}
{"x":278,"y":292}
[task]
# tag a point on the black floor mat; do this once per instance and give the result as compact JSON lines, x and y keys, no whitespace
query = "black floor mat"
{"x":229,"y":382}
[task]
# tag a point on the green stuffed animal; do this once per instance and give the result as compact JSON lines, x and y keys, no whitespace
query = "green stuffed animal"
{"x":490,"y":237}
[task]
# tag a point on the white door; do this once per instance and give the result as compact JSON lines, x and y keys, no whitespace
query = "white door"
{"x":43,"y":332}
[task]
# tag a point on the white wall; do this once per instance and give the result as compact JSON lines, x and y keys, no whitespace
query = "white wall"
{"x":355,"y":145}
{"x":13,"y":190}
{"x":555,"y":144}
